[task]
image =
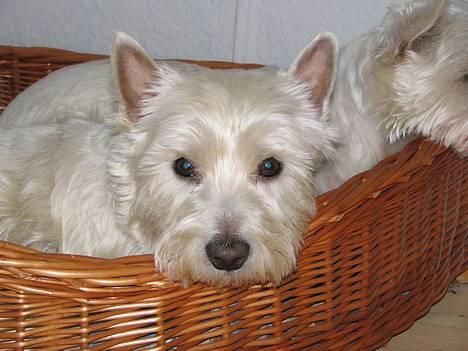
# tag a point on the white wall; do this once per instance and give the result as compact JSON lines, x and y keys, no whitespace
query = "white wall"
{"x":260,"y":31}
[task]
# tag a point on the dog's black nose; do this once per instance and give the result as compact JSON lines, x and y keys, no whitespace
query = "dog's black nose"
{"x":227,"y":254}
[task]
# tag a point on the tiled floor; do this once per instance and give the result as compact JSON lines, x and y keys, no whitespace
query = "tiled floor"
{"x":444,"y":328}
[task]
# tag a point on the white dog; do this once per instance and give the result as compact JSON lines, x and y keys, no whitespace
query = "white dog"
{"x":408,"y":76}
{"x":210,"y":170}
{"x":431,"y":81}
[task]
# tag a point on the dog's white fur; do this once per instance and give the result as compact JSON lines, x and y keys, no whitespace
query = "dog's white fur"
{"x":431,"y":82}
{"x":404,"y":78}
{"x":84,"y":91}
{"x":110,"y":189}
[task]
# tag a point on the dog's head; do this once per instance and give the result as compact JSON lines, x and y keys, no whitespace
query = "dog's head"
{"x":426,"y":44}
{"x":222,"y":162}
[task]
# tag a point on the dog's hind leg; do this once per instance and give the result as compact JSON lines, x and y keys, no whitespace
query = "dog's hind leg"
{"x":16,"y":226}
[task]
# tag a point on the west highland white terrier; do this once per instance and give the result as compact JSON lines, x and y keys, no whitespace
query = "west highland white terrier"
{"x":210,"y":170}
{"x":406,"y":77}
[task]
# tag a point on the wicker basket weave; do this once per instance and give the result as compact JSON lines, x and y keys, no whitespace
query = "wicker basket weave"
{"x":382,"y":249}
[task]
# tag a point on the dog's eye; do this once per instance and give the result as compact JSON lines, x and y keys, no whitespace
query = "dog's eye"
{"x":269,"y":167}
{"x":184,"y":167}
{"x":465,"y":77}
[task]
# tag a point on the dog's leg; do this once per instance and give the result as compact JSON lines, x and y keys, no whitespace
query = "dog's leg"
{"x":15,"y":225}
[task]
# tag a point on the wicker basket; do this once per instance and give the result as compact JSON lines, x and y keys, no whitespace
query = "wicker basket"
{"x":382,"y":249}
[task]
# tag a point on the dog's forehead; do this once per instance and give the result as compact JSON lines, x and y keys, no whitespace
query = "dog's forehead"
{"x":230,"y":102}
{"x":239,"y":90}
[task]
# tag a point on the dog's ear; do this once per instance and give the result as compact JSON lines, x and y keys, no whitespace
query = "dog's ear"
{"x":132,"y":70}
{"x":407,"y":24}
{"x":316,"y":65}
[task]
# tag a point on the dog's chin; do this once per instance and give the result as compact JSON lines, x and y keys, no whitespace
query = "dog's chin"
{"x":243,"y":277}
{"x":224,"y":279}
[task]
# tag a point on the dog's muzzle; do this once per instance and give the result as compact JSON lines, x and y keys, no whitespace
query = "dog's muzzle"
{"x":227,"y":254}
